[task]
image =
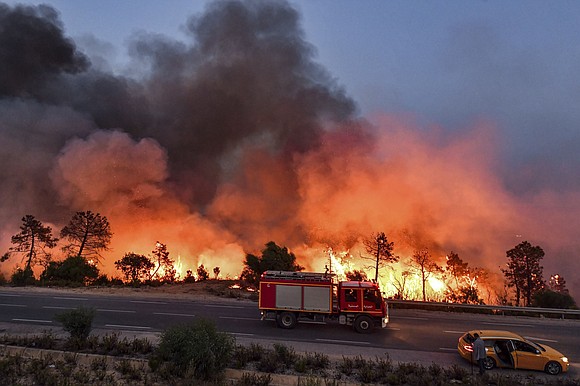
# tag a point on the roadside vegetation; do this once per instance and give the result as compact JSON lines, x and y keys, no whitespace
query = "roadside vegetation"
{"x":197,"y":354}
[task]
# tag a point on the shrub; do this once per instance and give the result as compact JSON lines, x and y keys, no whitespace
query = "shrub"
{"x":74,"y":270}
{"x":250,"y":379}
{"x":78,"y":323}
{"x":196,"y":349}
{"x":3,"y":280}
{"x":552,"y":299}
{"x":22,"y":277}
{"x":284,"y":354}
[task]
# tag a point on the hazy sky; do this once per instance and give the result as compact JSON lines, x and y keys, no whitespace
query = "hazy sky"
{"x":474,"y":109}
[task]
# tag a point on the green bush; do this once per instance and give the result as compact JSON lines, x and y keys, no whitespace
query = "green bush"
{"x":552,"y":299}
{"x":23,"y":277}
{"x":74,"y":270}
{"x":78,"y":323}
{"x":196,"y":350}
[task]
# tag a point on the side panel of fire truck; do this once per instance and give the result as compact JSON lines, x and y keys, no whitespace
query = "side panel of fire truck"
{"x":287,"y":295}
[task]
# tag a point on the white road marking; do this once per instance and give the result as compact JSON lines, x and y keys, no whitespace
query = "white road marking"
{"x":540,"y":339}
{"x":119,"y":311}
{"x":411,"y":317}
{"x":146,"y":302}
{"x":342,"y":341}
{"x":508,"y":324}
{"x":172,"y":314}
{"x":13,"y":305}
{"x":219,"y":306}
{"x":11,"y":295}
{"x":33,"y":320}
{"x":129,"y":327}
{"x":58,"y":308}
{"x":68,"y":298}
{"x":393,"y":328}
{"x":240,"y":334}
{"x":447,"y":349}
{"x":235,"y":318}
{"x":453,"y":332}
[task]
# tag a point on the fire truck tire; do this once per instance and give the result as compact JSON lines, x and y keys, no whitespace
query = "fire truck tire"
{"x":363,"y":324}
{"x":287,"y":320}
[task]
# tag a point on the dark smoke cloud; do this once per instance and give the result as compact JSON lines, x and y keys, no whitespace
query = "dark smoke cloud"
{"x":33,"y":50}
{"x":246,"y":79}
{"x":249,"y":72}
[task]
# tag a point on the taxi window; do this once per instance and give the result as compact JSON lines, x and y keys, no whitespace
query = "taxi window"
{"x":525,"y":347}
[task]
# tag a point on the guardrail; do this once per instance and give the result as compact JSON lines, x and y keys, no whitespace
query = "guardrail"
{"x":486,"y":309}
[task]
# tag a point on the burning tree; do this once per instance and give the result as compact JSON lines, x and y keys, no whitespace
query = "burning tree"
{"x":162,"y":262}
{"x":456,"y":267}
{"x":465,"y":280}
{"x":422,"y":263}
{"x":557,"y":283}
{"x":356,"y":275}
{"x":400,"y":284}
{"x":381,"y":250}
{"x":524,"y":271}
{"x":202,"y":273}
{"x":88,"y":234}
{"x":33,"y":240}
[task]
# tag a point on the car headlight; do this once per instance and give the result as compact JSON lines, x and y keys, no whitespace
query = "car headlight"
{"x":564,"y":359}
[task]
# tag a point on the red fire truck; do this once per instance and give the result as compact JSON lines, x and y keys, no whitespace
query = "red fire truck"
{"x":288,"y":297}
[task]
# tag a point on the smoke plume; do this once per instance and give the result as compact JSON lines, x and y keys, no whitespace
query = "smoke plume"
{"x":237,"y":137}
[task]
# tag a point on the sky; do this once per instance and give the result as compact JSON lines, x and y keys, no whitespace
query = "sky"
{"x":454,"y":121}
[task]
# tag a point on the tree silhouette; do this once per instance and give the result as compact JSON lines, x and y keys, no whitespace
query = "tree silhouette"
{"x":202,"y":273}
{"x":162,"y":260}
{"x":557,"y":283}
{"x":33,"y":240}
{"x":381,"y":251}
{"x":135,"y":267}
{"x":524,"y":271}
{"x":456,"y":267}
{"x":273,"y":258}
{"x":88,"y":234}
{"x":422,"y":263}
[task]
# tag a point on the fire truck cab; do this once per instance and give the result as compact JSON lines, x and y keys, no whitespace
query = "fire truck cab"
{"x":288,"y":297}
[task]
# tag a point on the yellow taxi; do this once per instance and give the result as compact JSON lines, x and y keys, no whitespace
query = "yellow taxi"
{"x":508,"y":350}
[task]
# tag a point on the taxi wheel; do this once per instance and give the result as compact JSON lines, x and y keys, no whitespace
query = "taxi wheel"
{"x":553,"y":368}
{"x":489,"y":363}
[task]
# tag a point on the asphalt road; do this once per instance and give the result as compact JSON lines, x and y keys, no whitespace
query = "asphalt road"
{"x":410,"y":335}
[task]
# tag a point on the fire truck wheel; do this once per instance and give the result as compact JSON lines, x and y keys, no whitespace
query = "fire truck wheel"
{"x":363,"y":324}
{"x":287,"y":320}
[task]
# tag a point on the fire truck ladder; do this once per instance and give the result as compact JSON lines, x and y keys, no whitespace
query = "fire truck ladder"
{"x":289,"y":275}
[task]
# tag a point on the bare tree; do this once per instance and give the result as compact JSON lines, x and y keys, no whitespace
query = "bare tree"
{"x":162,"y":260}
{"x":422,"y":263}
{"x":88,"y":234}
{"x":381,"y":250}
{"x":34,"y":240}
{"x":400,"y":284}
